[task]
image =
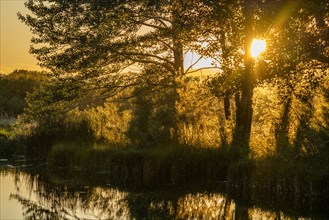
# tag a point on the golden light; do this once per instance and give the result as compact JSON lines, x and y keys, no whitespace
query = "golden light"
{"x":257,"y":47}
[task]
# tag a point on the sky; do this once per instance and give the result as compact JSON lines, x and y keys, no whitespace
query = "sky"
{"x":15,"y":41}
{"x":15,"y":38}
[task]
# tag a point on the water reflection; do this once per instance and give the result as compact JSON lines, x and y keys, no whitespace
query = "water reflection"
{"x":42,"y":200}
{"x":201,"y":206}
{"x":41,"y":196}
{"x":102,"y":204}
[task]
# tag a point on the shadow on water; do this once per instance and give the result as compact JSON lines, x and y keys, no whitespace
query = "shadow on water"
{"x":64,"y":195}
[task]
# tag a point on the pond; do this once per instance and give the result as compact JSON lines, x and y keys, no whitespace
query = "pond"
{"x":31,"y":192}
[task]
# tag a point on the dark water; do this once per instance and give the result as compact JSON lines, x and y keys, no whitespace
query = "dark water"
{"x":30,"y":192}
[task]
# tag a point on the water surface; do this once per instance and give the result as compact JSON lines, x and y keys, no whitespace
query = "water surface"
{"x":30,"y":193}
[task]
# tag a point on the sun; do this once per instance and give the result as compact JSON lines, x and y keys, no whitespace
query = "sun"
{"x":257,"y":47}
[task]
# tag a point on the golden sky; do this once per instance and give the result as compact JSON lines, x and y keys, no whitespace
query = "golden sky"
{"x":15,"y":38}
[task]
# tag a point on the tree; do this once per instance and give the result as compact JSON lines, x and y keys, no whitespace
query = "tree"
{"x":14,"y":88}
{"x":230,"y":43}
{"x":301,"y":47}
{"x":95,"y":42}
{"x":295,"y":34}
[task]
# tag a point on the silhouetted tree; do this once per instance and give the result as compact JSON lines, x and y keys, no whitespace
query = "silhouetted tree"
{"x":95,"y":42}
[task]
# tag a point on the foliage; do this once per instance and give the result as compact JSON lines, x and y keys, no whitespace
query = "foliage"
{"x":198,"y":116}
{"x":296,"y":59}
{"x":76,"y":41}
{"x":14,"y":88}
{"x":82,"y":36}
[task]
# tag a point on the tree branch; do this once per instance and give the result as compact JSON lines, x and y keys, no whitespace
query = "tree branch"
{"x":193,"y":64}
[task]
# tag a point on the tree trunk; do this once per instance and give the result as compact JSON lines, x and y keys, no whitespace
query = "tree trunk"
{"x":282,"y":129}
{"x":226,"y":69}
{"x":244,"y":101}
{"x":178,"y":85}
